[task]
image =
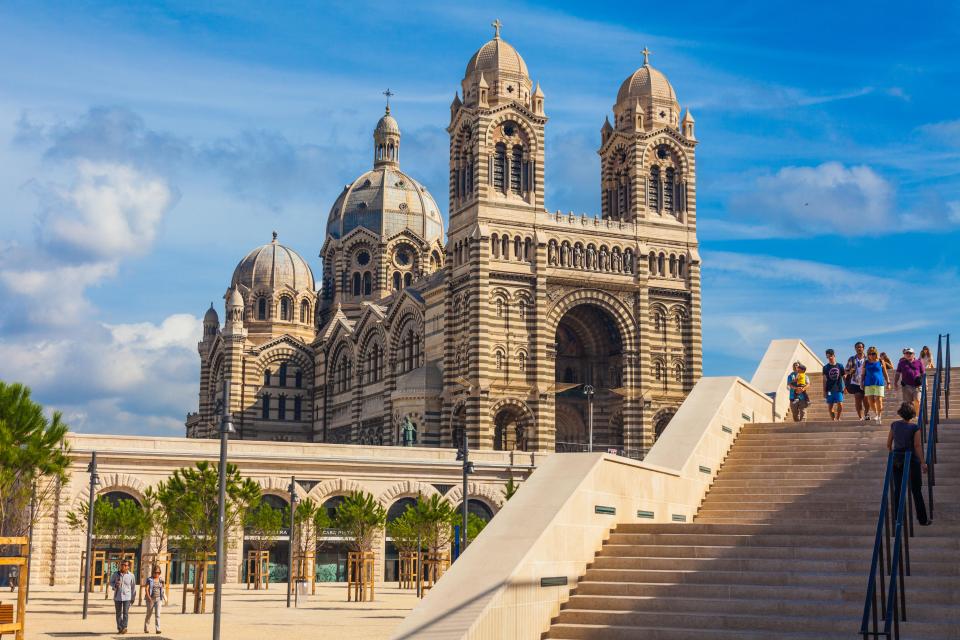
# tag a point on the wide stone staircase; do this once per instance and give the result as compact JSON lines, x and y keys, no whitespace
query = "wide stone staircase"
{"x":780,"y":548}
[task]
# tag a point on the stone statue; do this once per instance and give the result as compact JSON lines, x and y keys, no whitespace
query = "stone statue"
{"x":577,"y":256}
{"x":408,"y":433}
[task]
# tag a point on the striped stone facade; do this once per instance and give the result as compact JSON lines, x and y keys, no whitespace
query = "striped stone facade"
{"x":497,"y":330}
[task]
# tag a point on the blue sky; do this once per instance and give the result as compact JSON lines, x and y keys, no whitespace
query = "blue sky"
{"x":144,"y":149}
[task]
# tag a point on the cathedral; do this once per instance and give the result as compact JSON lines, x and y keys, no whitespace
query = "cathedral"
{"x":516,"y":328}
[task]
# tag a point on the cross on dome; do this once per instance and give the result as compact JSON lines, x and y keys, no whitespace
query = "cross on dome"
{"x":496,"y":24}
{"x":646,"y":56}
{"x":389,"y":94}
{"x":274,"y":236}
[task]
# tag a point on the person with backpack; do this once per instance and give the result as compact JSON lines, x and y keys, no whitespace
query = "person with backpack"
{"x":910,"y":372}
{"x":854,"y":380}
{"x":156,"y":596}
{"x":833,"y":386}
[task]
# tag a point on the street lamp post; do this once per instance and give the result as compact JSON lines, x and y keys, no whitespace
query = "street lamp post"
{"x":293,"y":508}
{"x":94,"y":479}
{"x":588,"y":391}
{"x":463,"y":454}
{"x":226,"y":428}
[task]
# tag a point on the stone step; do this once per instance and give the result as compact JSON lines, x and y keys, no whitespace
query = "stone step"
{"x":858,"y":566}
{"x":798,"y":578}
{"x":854,"y":593}
{"x":561,"y":631}
{"x":717,"y":620}
{"x":919,"y":552}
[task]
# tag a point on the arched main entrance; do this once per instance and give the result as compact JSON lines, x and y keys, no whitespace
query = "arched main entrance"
{"x":512,"y":426}
{"x":589,"y":351}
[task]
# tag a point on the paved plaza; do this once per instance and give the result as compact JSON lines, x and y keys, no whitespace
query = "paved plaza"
{"x":247,"y":615}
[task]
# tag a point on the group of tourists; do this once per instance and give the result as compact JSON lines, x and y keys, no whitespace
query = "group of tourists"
{"x":867,"y":375}
{"x":124,"y":587}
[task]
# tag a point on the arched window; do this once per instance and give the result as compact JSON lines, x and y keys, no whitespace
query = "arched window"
{"x":682,"y":267}
{"x":678,"y":372}
{"x":653,"y":190}
{"x":673,"y":265}
{"x":516,"y":169}
{"x":283,"y":374}
{"x":285,"y":309}
{"x":282,"y":407}
{"x":517,"y":248}
{"x":679,"y":320}
{"x":657,"y":321}
{"x":522,"y":361}
{"x":505,"y":247}
{"x":356,"y":284}
{"x":297,"y":408}
{"x":653,"y":264}
{"x":499,"y":167}
{"x":526,"y":249}
{"x":266,"y":378}
{"x":499,"y":308}
{"x":304,"y":311}
{"x":367,"y":283}
{"x":298,"y":379}
{"x":499,"y":360}
{"x":265,"y":406}
{"x":495,"y":245}
{"x":396,"y":281}
{"x":668,"y":192}
{"x":661,"y":264}
{"x":658,"y":370}
{"x":522,"y":309}
{"x":407,"y":279}
{"x":262,"y":309}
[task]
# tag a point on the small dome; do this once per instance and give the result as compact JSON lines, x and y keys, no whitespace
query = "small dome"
{"x":646,"y":83}
{"x":387,"y":124}
{"x":211,"y":317}
{"x":496,"y":56}
{"x":235,"y":299}
{"x":273,"y":266}
{"x":386,"y":201}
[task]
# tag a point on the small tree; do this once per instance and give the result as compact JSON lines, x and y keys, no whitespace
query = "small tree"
{"x":311,"y":520}
{"x":360,"y":516}
{"x":475,"y":525}
{"x":190,"y":499}
{"x":156,"y":521}
{"x":405,"y":531}
{"x":510,"y":489}
{"x":33,"y":459}
{"x":435,"y":518}
{"x":126,"y":525}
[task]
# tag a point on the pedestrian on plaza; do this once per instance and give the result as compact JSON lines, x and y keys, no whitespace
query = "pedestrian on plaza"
{"x":799,"y":400}
{"x":926,"y":358}
{"x":854,"y":380}
{"x":156,"y":598}
{"x":124,"y":588}
{"x":875,"y":382}
{"x":904,"y":436}
{"x":833,"y":385}
{"x":909,"y":377}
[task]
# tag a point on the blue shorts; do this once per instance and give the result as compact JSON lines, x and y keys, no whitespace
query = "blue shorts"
{"x":834,"y":397}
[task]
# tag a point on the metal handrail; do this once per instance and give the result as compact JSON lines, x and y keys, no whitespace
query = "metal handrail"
{"x":892,"y":558}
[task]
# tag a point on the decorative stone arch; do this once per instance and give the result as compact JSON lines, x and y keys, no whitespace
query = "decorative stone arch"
{"x":679,"y":152}
{"x":403,"y":320}
{"x":661,"y":419}
{"x":529,"y":133}
{"x":519,"y":415}
{"x":404,"y":489}
{"x":115,"y":482}
{"x":621,"y":315}
{"x":332,"y":488}
{"x":282,"y":352}
{"x":476,"y":490}
{"x":279,"y":486}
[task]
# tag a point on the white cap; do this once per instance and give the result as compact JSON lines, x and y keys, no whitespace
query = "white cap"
{"x":908,"y":350}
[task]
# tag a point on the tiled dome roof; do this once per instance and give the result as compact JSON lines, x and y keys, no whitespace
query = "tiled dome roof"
{"x":272,"y":266}
{"x":645,"y":83}
{"x":496,"y":55}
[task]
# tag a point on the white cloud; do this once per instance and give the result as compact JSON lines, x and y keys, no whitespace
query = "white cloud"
{"x":112,"y":212}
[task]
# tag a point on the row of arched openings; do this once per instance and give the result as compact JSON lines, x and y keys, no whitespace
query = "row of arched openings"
{"x":285,"y":309}
{"x":268,"y":412}
{"x":667,"y":267}
{"x":501,"y":246}
{"x":509,"y":170}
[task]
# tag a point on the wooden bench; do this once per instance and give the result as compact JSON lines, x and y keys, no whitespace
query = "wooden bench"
{"x":6,"y":615}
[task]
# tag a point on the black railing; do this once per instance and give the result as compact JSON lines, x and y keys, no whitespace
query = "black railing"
{"x":885,"y":605}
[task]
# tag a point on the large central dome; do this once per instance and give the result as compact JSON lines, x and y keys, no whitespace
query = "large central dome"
{"x":386,"y":201}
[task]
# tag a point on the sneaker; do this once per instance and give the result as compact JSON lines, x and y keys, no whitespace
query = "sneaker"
{"x":158,"y":631}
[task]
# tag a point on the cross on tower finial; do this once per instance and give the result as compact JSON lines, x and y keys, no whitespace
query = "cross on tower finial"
{"x":646,"y":56}
{"x":274,"y":236}
{"x":496,"y":24}
{"x":388,"y":93}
